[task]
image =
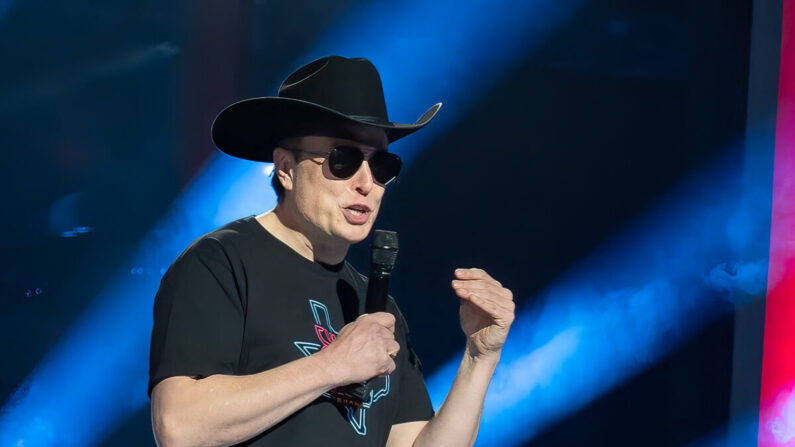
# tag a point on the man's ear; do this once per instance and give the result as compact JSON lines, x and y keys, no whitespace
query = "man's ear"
{"x":283,"y":164}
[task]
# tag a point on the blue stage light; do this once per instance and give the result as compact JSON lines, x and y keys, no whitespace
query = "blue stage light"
{"x":626,"y":306}
{"x":4,"y":6}
{"x":97,"y":374}
{"x":448,"y":51}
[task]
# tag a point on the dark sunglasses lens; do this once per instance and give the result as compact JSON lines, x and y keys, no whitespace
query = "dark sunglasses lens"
{"x":385,"y":167}
{"x":345,"y":161}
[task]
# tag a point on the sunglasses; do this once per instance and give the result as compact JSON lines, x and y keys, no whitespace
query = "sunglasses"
{"x":344,"y":161}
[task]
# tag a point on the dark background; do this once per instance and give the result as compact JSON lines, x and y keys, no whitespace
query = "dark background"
{"x":109,"y":105}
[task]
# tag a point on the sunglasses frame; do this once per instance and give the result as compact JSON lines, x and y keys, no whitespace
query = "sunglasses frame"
{"x":341,"y":172}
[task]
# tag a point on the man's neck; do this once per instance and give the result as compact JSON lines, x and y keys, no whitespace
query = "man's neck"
{"x":281,"y":227}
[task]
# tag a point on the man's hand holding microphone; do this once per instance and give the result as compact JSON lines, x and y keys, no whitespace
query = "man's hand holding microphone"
{"x":364,"y":349}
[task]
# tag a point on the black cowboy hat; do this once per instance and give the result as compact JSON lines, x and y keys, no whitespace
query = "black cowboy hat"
{"x":332,"y":90}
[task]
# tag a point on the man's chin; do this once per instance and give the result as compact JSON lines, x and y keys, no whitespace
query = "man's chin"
{"x":357,"y":233}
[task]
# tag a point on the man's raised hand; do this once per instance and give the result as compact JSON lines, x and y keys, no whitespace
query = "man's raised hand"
{"x":486,"y":312}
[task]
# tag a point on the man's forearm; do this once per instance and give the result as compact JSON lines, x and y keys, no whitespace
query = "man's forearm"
{"x":225,"y":410}
{"x":457,"y":421}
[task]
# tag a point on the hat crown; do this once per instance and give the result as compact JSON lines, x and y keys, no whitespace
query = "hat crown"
{"x":350,"y":86}
{"x":330,"y":93}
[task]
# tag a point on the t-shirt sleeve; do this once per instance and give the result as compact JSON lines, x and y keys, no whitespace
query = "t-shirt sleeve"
{"x":198,"y":316}
{"x":414,"y":403}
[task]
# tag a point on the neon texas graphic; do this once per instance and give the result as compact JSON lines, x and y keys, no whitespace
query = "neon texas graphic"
{"x":326,"y":334}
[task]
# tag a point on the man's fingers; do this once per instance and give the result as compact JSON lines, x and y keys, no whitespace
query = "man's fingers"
{"x":384,"y":319}
{"x":475,"y":283}
{"x":472,"y":273}
{"x":497,"y":294}
{"x":488,"y":304}
{"x":393,"y":349}
{"x":389,"y":369}
{"x":475,"y":273}
{"x":502,"y":316}
{"x":482,"y":286}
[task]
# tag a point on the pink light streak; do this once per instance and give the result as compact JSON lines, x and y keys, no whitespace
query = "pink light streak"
{"x":777,"y":397}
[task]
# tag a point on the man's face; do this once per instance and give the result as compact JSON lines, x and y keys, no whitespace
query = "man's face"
{"x":331,"y":209}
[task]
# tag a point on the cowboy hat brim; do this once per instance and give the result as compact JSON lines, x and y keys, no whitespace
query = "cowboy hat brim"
{"x":252,"y":128}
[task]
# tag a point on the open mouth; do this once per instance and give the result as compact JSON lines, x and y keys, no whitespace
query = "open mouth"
{"x":357,"y":214}
{"x":358,"y":210}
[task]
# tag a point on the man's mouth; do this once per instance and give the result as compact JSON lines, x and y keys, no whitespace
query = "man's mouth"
{"x":357,"y":214}
{"x":358,"y":210}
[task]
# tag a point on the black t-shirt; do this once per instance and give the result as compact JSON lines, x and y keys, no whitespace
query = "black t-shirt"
{"x":239,"y":301}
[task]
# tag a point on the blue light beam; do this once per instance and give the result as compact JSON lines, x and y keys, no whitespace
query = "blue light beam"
{"x":448,"y":51}
{"x":626,"y":306}
{"x":5,"y":5}
{"x":96,"y":376}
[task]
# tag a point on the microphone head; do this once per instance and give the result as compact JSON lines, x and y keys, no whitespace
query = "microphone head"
{"x":384,"y":249}
{"x":385,"y":239}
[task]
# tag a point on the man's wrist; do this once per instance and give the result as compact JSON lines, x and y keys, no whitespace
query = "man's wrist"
{"x":330,"y":368}
{"x":477,"y":357}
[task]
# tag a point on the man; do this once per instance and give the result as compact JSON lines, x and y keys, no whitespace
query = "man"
{"x":248,"y":343}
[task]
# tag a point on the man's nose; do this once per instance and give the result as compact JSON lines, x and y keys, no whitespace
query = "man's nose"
{"x":363,"y":179}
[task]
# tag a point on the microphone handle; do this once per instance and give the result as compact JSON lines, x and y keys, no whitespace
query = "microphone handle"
{"x":377,"y":290}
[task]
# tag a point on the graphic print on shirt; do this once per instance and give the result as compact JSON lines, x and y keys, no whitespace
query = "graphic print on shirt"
{"x":379,"y":387}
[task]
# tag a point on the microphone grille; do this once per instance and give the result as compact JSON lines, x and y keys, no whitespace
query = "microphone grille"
{"x":385,"y":239}
{"x":385,"y":248}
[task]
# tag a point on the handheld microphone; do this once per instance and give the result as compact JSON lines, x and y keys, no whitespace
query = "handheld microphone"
{"x":383,"y":253}
{"x":382,"y":259}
